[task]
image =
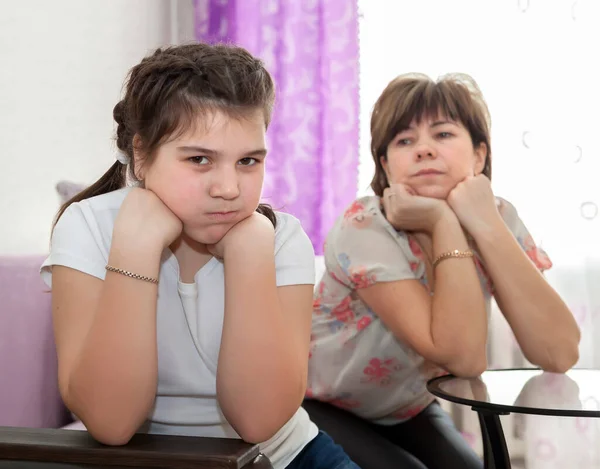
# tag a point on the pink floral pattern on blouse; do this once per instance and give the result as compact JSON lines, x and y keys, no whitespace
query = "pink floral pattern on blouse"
{"x":355,"y":362}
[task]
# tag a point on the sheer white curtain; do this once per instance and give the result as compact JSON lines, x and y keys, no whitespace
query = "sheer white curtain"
{"x":535,"y":62}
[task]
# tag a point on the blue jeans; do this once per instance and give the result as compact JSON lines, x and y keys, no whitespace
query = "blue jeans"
{"x":322,"y":453}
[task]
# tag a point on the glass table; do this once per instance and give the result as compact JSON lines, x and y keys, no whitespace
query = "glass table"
{"x":525,"y":391}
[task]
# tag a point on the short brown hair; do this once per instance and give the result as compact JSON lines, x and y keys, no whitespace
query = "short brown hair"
{"x":415,"y":96}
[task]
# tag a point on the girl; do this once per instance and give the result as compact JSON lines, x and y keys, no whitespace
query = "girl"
{"x":409,"y":278}
{"x":181,"y":305}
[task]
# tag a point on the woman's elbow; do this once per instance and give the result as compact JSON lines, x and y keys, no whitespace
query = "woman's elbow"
{"x":562,"y":361}
{"x":468,"y":366}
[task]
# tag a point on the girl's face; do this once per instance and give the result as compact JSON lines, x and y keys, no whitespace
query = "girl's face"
{"x":432,"y":157}
{"x":211,"y":177}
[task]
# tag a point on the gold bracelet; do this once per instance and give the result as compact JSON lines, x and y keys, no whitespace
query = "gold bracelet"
{"x":131,"y":274}
{"x":452,"y":254}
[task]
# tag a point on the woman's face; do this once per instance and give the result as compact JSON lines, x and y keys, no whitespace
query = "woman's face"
{"x":433,"y":156}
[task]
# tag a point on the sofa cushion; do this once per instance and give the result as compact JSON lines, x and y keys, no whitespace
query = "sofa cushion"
{"x":29,"y":394}
{"x":67,"y":190}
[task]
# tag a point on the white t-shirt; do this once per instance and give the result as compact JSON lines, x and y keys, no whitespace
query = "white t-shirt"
{"x":189,"y":321}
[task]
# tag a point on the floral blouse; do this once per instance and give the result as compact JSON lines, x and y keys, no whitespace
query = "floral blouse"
{"x":356,"y":363}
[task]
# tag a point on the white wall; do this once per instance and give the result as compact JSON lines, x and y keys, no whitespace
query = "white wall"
{"x":62,"y":65}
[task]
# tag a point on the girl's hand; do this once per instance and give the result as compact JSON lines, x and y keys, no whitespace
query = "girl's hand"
{"x":146,"y":221}
{"x":407,"y":211}
{"x":474,"y":204}
{"x":247,"y":233}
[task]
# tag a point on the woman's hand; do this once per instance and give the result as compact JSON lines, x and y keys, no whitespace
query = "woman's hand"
{"x":474,"y":204}
{"x":407,"y":211}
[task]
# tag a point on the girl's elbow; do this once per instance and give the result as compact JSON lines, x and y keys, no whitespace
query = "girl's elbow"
{"x":256,"y":431}
{"x":111,"y":427}
{"x":113,"y":439}
{"x":110,"y":435}
{"x":257,"y":425}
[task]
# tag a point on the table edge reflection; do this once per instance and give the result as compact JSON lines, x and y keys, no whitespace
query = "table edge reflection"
{"x":433,"y":386}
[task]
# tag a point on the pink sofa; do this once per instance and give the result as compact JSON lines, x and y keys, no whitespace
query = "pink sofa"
{"x":29,"y":394}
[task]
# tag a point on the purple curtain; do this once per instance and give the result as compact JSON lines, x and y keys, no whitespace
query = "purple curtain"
{"x":311,"y":49}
